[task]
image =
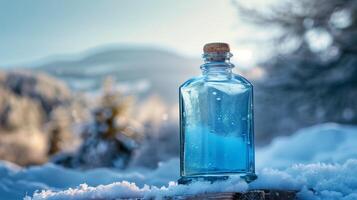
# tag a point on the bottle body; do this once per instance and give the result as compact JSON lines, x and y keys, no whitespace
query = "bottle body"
{"x":216,"y":125}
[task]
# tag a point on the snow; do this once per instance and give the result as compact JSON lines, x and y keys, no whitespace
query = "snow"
{"x":130,"y":190}
{"x":322,"y":158}
{"x":328,"y":181}
{"x":328,"y":143}
{"x":16,"y":182}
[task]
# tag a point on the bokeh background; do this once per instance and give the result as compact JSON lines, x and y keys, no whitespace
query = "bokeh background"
{"x":88,"y":84}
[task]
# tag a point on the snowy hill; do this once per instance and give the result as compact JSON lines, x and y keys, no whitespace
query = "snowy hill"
{"x":138,"y":70}
{"x":328,"y":143}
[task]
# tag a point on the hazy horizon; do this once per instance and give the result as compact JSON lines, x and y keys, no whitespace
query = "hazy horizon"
{"x":36,"y":29}
{"x":91,"y":51}
{"x":40,"y":29}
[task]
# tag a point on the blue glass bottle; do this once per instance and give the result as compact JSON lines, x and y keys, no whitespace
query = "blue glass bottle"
{"x":216,"y":121}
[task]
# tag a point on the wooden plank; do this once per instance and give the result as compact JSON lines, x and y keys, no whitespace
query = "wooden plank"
{"x":280,"y":194}
{"x":250,"y":195}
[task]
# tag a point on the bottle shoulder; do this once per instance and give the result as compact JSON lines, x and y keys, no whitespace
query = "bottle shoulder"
{"x":201,"y":81}
{"x":241,"y":80}
{"x":200,"y":86}
{"x":195,"y":81}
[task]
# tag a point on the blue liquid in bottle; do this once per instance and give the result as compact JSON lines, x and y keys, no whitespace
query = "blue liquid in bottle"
{"x":216,"y":121}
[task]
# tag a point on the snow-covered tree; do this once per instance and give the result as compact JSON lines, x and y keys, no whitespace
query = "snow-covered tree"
{"x":312,"y":77}
{"x":108,"y":139}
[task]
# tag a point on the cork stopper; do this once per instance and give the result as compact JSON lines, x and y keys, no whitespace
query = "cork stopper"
{"x":216,"y":47}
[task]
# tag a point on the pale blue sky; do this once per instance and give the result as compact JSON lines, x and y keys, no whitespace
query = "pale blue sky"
{"x":32,"y":30}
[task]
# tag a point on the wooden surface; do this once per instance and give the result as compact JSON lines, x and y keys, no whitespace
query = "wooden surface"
{"x":250,"y":195}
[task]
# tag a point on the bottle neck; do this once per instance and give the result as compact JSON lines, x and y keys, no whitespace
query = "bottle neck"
{"x":217,"y":66}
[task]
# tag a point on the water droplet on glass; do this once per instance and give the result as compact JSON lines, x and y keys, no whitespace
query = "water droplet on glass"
{"x":218,"y":99}
{"x":214,"y":93}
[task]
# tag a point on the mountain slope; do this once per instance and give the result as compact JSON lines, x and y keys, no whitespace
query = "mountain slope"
{"x":138,"y":70}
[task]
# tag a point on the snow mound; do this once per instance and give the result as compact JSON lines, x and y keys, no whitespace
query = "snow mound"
{"x":328,"y":143}
{"x":314,"y":181}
